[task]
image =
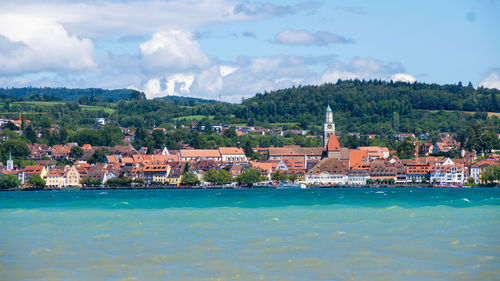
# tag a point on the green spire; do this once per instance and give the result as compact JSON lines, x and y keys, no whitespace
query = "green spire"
{"x":328,"y":109}
{"x":10,"y":155}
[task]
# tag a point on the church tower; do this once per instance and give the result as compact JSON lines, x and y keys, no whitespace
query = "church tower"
{"x":328,"y":126}
{"x":10,"y":162}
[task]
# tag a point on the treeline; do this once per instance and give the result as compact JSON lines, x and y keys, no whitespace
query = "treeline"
{"x":365,"y":105}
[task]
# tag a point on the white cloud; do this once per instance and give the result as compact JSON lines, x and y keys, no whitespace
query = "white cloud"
{"x":492,"y":81}
{"x":225,"y":70}
{"x":362,"y":68}
{"x":131,"y":17}
{"x":179,"y":84}
{"x":173,"y":49}
{"x":403,"y":77}
{"x":304,"y":37}
{"x":32,"y":44}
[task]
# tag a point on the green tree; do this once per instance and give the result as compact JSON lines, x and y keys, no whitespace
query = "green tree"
{"x":292,"y":177}
{"x":249,"y":177}
{"x":189,"y":179}
{"x":76,"y":152}
{"x":30,"y":134}
{"x":9,"y":181}
{"x":99,"y":155}
{"x":278,"y":176}
{"x":18,"y":148}
{"x":36,"y":181}
{"x":491,"y":174}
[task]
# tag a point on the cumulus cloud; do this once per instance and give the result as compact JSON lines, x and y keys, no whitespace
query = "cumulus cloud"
{"x":173,"y":49}
{"x":306,"y":38}
{"x":363,"y":68}
{"x":403,"y":77}
{"x":32,"y":44}
{"x":172,"y":85}
{"x":492,"y":81}
{"x":111,"y":17}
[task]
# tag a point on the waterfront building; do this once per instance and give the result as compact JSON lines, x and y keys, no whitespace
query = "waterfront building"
{"x":477,"y":169}
{"x":232,"y":154}
{"x":329,"y":171}
{"x":156,"y":173}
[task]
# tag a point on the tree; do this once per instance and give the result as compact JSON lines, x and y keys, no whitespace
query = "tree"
{"x":30,"y":134}
{"x":278,"y":176}
{"x":99,"y":155}
{"x":9,"y":181}
{"x":491,"y":174}
{"x":249,"y":177}
{"x":18,"y":148}
{"x":76,"y":152}
{"x":189,"y":179}
{"x":86,"y":181}
{"x":292,"y":177}
{"x":36,"y":181}
{"x":405,"y":150}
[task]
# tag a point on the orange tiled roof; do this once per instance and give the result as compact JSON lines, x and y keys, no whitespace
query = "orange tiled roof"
{"x":231,"y":150}
{"x":357,"y":156}
{"x":193,"y":153}
{"x":33,"y":169}
{"x":333,"y":143}
{"x":156,"y":168}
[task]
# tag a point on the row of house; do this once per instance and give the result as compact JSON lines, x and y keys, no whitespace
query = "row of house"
{"x":333,"y":165}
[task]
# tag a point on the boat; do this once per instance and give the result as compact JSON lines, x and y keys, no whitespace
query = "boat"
{"x":291,"y":186}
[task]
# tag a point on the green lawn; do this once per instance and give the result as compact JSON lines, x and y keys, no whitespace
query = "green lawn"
{"x":194,"y":117}
{"x":41,"y":103}
{"x":91,"y":107}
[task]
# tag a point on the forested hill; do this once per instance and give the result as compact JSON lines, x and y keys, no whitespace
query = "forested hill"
{"x":67,"y":94}
{"x":357,"y":103}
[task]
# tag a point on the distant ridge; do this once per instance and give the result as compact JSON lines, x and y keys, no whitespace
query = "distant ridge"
{"x":74,"y":94}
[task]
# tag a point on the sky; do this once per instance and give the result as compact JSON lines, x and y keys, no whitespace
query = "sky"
{"x":232,"y":49}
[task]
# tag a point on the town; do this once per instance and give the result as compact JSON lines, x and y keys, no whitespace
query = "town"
{"x":122,"y":166}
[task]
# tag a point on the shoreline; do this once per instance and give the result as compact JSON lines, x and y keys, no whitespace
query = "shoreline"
{"x":237,"y":187}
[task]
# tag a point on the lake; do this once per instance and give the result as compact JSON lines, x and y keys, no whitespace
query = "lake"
{"x":251,"y":234}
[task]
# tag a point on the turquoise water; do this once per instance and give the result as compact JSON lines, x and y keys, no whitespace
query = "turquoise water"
{"x":321,"y":234}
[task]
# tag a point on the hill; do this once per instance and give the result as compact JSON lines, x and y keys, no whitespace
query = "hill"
{"x":377,"y":106}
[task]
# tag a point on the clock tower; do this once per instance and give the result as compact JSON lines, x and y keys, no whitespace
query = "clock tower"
{"x":328,"y":126}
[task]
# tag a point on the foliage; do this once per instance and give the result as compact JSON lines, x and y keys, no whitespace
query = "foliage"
{"x":119,"y":182}
{"x":76,"y":152}
{"x":279,"y":177}
{"x":9,"y":181}
{"x":249,"y":177}
{"x":36,"y":181}
{"x":18,"y":148}
{"x":190,"y":179}
{"x":491,"y":174}
{"x":217,"y":176}
{"x":405,"y":150}
{"x":86,"y":181}
{"x":99,"y":155}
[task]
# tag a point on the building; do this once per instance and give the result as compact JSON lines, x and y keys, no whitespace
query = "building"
{"x":199,"y":154}
{"x":310,"y":153}
{"x":477,"y":169}
{"x":417,"y":173}
{"x":156,"y":173}
{"x":447,"y":174}
{"x":232,"y":154}
{"x":29,"y":171}
{"x":329,"y":171}
{"x":358,"y":177}
{"x":72,"y":177}
{"x":328,"y":126}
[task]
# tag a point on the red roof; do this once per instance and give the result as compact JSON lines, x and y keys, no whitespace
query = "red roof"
{"x":33,"y":169}
{"x":333,"y":143}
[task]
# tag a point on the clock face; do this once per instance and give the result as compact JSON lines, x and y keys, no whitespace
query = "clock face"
{"x":329,"y":126}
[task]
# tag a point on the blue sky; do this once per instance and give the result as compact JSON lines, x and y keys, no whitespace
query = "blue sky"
{"x":238,"y":48}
